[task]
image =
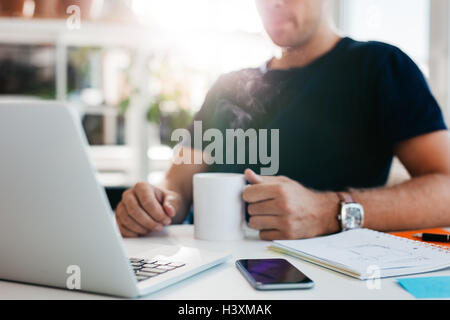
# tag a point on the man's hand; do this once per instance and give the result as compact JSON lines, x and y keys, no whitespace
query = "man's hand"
{"x":281,"y":208}
{"x":146,"y":208}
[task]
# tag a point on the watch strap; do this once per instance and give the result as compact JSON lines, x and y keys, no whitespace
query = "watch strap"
{"x":345,"y":197}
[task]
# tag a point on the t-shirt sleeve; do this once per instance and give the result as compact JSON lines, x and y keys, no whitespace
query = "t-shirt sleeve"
{"x":406,"y":105}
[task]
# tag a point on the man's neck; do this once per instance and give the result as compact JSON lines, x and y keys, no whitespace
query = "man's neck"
{"x":323,"y":41}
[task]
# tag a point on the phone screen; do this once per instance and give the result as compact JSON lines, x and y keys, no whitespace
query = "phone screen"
{"x":273,"y":271}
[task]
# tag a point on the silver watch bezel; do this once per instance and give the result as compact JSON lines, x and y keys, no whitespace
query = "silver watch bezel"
{"x":343,"y":214}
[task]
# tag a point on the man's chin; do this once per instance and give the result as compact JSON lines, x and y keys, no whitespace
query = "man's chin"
{"x":289,"y":43}
{"x":283,"y":39}
{"x":285,"y":43}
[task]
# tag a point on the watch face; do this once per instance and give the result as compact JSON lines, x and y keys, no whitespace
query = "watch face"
{"x":353,"y":216}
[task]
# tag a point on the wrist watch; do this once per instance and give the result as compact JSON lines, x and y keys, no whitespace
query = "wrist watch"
{"x":351,"y":215}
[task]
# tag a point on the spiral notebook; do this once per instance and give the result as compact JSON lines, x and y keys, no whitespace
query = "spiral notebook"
{"x":360,"y":252}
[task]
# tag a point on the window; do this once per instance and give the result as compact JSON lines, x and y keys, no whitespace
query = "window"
{"x":403,"y":23}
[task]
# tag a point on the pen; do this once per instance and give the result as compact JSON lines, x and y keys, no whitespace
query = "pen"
{"x":433,"y":237}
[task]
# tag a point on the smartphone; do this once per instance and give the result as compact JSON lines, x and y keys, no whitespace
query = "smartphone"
{"x":273,"y":274}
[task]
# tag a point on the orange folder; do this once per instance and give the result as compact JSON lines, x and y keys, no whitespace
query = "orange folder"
{"x":409,"y":235}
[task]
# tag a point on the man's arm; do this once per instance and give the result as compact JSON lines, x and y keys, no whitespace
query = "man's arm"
{"x":283,"y":209}
{"x":145,"y":208}
{"x":423,"y":201}
{"x":179,"y":179}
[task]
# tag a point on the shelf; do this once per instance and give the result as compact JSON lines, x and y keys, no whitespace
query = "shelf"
{"x":100,"y":34}
{"x":16,"y":30}
{"x":114,"y":179}
{"x":113,"y":164}
{"x":105,"y":110}
{"x":111,"y":158}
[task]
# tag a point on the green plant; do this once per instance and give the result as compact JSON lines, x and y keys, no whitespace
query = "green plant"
{"x":168,"y":120}
{"x":154,"y":111}
{"x":170,"y":107}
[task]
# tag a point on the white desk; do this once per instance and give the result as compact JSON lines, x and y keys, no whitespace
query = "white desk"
{"x":224,"y":282}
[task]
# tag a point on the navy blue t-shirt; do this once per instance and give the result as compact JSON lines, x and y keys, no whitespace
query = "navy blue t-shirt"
{"x":339,"y":118}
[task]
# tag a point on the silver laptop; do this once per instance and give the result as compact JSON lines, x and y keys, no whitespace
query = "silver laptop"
{"x":56,"y":226}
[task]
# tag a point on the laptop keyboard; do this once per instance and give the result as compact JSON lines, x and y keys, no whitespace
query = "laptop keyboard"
{"x":146,"y":269}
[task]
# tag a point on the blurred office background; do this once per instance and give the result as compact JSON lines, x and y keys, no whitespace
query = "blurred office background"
{"x":136,"y":69}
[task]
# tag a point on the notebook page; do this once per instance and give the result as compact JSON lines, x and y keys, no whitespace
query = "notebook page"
{"x":362,"y":248}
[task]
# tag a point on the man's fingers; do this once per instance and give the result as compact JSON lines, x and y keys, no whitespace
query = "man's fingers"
{"x":125,"y":232}
{"x":265,"y":223}
{"x":134,"y":209}
{"x":145,"y":208}
{"x":270,"y":235}
{"x":269,"y":207}
{"x":127,"y":221}
{"x":147,"y":198}
{"x":159,"y":194}
{"x":252,"y":177}
{"x":260,"y":192}
{"x":169,"y":201}
{"x":171,"y":204}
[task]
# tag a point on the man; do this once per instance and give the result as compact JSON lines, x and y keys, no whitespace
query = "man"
{"x":343,"y":109}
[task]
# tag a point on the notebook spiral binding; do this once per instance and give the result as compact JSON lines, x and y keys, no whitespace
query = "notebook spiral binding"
{"x":416,"y":242}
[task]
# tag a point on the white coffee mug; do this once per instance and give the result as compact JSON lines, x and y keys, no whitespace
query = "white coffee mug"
{"x":219,"y":210}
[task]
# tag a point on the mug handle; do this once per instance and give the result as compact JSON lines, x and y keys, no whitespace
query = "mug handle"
{"x":247,"y":215}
